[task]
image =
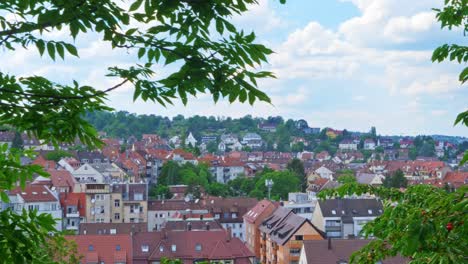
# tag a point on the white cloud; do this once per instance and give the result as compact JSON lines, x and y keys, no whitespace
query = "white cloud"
{"x":260,"y":17}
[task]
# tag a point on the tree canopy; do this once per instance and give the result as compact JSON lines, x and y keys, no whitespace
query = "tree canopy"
{"x":207,"y":53}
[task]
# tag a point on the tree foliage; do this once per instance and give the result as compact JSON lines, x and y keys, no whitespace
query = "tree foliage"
{"x":454,"y":14}
{"x":221,"y":62}
{"x":396,"y":180}
{"x":423,"y":223}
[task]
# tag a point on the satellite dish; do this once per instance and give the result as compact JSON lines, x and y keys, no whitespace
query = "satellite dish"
{"x":197,"y":200}
{"x":93,"y":200}
{"x":187,"y":199}
{"x":92,"y":212}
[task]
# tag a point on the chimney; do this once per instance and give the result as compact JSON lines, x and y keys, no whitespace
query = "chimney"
{"x":189,"y":226}
{"x":201,"y":217}
{"x":229,"y":235}
{"x":164,"y":231}
{"x":207,"y":225}
{"x":329,"y":244}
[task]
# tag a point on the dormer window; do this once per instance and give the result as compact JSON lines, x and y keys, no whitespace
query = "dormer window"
{"x":144,"y":248}
{"x":173,"y":248}
{"x":161,"y":248}
{"x":117,"y":248}
{"x":333,"y":212}
{"x":198,"y":247}
{"x":369,"y":211}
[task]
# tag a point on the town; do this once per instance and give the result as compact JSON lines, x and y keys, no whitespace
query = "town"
{"x":205,"y":192}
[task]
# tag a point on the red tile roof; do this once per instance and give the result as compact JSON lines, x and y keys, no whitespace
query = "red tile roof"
{"x":74,"y":199}
{"x":35,"y":193}
{"x":47,"y":164}
{"x":456,"y":178}
{"x":62,"y":178}
{"x":258,"y":209}
{"x":104,"y":248}
{"x":214,"y":245}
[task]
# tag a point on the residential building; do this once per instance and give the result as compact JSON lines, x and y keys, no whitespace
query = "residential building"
{"x":336,"y":251}
{"x":74,"y":210}
{"x":282,"y":235}
{"x":344,"y":218}
{"x":252,"y":221}
{"x":252,"y":140}
{"x":347,"y":144}
{"x":300,"y":204}
{"x":36,"y":197}
{"x":129,"y":203}
{"x":370,"y":178}
{"x":87,"y":174}
{"x":104,"y":249}
{"x":369,"y":144}
{"x":190,"y":140}
{"x":112,"y":228}
{"x":229,"y":212}
{"x":213,"y":246}
{"x":159,"y":211}
{"x":325,"y":173}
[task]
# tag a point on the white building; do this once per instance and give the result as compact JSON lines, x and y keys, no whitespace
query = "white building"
{"x":348,"y":145}
{"x":252,"y":140}
{"x":369,"y":144}
{"x":324,"y":173}
{"x":190,"y":140}
{"x":37,"y":197}
{"x":300,"y":204}
{"x":87,"y":174}
{"x":344,"y":218}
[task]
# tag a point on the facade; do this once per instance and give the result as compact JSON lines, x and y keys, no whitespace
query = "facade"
{"x":104,"y":249}
{"x":36,"y":197}
{"x":369,"y":144}
{"x":252,"y":140}
{"x":87,"y":174}
{"x":347,"y":145}
{"x":300,"y":204}
{"x":324,"y":173}
{"x":282,"y":235}
{"x":216,"y":246}
{"x":344,"y":218}
{"x":252,"y":220}
{"x":159,"y":211}
{"x":190,"y":140}
{"x":74,"y":210}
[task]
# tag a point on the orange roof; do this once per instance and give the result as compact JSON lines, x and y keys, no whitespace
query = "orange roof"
{"x":40,"y":160}
{"x":104,"y":248}
{"x":74,"y":199}
{"x":35,"y":193}
{"x":61,"y":178}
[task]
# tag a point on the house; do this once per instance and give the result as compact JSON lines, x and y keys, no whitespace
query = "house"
{"x":112,"y":228}
{"x":198,"y":224}
{"x":267,"y":127}
{"x":336,"y":251}
{"x":61,"y":180}
{"x":370,"y":178}
{"x":406,"y":143}
{"x":36,"y":197}
{"x":159,"y":211}
{"x":252,"y":220}
{"x":104,"y":248}
{"x":347,"y":144}
{"x":129,"y":203}
{"x":181,"y":156}
{"x":324,"y":173}
{"x":252,"y":140}
{"x":190,"y":247}
{"x":322,"y":156}
{"x":282,"y":235}
{"x":69,"y":163}
{"x":369,"y":144}
{"x":190,"y":140}
{"x":229,"y":212}
{"x":208,"y":139}
{"x":344,"y":218}
{"x":74,"y":210}
{"x":91,"y":157}
{"x":300,"y":204}
{"x":456,"y":179}
{"x":175,"y":141}
{"x":87,"y":174}
{"x":227,"y":169}
{"x":332,"y":133}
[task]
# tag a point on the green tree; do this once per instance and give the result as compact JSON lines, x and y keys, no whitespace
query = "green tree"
{"x":346,"y":176}
{"x":57,"y":155}
{"x":454,"y":14}
{"x":396,"y":180}
{"x":423,"y":223}
{"x":217,"y":189}
{"x":17,"y":141}
{"x":212,"y":147}
{"x":284,"y":182}
{"x":161,"y":191}
{"x":297,"y":167}
{"x":412,"y":153}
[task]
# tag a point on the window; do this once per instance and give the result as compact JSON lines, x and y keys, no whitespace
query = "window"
{"x":53,"y":207}
{"x":117,"y":216}
{"x":141,"y":209}
{"x":299,"y":237}
{"x":369,"y":211}
{"x":333,"y":212}
{"x":31,"y":207}
{"x":138,"y":197}
{"x":226,"y":215}
{"x":132,"y":209}
{"x":113,"y":231}
{"x":234,"y":215}
{"x":144,"y":248}
{"x":102,"y":209}
{"x":217,"y":216}
{"x":173,"y":248}
{"x":117,"y":203}
{"x":117,"y":248}
{"x":295,"y":251}
{"x":132,"y":220}
{"x":161,"y":248}
{"x":90,"y":248}
{"x":198,"y":247}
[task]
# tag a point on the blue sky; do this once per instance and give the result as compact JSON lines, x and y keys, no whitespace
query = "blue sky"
{"x":341,"y":63}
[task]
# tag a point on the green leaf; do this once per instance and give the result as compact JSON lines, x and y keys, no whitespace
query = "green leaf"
{"x":464,"y":75}
{"x":135,"y":5}
{"x":71,"y":49}
{"x":40,"y":46}
{"x":141,"y":52}
{"x":51,"y":50}
{"x":60,"y":50}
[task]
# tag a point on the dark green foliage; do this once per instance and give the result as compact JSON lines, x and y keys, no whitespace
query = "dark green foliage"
{"x":56,"y":155}
{"x":424,"y":223}
{"x":297,"y":167}
{"x":396,"y":180}
{"x":284,"y":182}
{"x":17,"y":141}
{"x":160,"y":191}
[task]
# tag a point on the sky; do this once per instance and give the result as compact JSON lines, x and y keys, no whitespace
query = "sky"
{"x":340,"y":63}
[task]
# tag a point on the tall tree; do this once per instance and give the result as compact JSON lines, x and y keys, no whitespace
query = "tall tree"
{"x":396,"y":180}
{"x":297,"y":167}
{"x":177,"y":32}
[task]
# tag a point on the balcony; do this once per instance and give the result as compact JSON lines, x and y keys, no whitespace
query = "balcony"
{"x":72,"y":214}
{"x":332,"y":228}
{"x":70,"y":227}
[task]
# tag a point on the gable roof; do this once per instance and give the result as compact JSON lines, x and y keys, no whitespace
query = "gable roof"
{"x":274,"y":219}
{"x":335,"y":250}
{"x":284,"y":230}
{"x":74,"y":199}
{"x":104,"y":248}
{"x":253,"y":214}
{"x":350,"y":207}
{"x":35,"y":193}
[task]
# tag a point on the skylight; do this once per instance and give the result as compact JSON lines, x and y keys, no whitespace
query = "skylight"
{"x":144,"y":248}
